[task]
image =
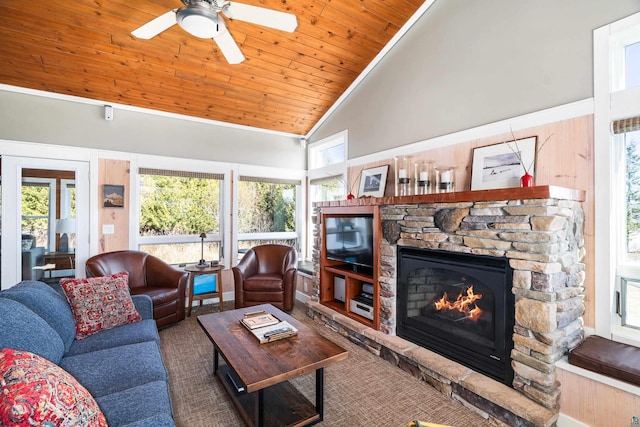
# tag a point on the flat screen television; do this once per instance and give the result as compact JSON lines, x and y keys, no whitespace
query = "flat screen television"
{"x":349,"y":239}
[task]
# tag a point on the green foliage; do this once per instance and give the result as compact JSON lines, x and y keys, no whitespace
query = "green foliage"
{"x":265,"y":207}
{"x":633,"y":185}
{"x":178,"y":206}
{"x":35,"y":209}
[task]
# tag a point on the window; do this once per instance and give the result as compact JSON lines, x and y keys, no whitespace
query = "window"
{"x":329,"y":151}
{"x":628,"y":220}
{"x":632,"y":65}
{"x":325,"y":189}
{"x":327,"y":174}
{"x":267,"y":212}
{"x":175,"y":208}
{"x":38,"y":206}
{"x":617,"y":182}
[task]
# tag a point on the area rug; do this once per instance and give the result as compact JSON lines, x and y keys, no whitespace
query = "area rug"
{"x":363,"y":390}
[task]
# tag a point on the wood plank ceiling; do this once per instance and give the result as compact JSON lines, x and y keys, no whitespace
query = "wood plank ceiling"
{"x":289,"y":80}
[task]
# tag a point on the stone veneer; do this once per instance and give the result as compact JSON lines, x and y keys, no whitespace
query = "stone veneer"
{"x":543,"y":240}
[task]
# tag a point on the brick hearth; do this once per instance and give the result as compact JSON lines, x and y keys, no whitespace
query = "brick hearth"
{"x":540,"y":233}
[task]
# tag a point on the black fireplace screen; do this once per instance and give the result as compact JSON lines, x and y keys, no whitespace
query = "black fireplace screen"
{"x":459,"y":305}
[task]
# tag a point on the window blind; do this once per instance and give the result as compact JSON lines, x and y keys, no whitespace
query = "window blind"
{"x":181,"y":174}
{"x":270,"y":180}
{"x":326,"y":179}
{"x":626,"y":125}
{"x":35,"y":184}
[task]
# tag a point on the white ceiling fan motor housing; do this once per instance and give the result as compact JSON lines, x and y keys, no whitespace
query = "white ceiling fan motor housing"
{"x":200,"y":20}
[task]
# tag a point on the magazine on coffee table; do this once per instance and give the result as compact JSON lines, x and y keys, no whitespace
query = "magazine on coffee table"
{"x":259,"y":319}
{"x":274,"y":332}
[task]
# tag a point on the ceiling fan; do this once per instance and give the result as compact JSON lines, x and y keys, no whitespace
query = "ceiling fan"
{"x":201,"y":18}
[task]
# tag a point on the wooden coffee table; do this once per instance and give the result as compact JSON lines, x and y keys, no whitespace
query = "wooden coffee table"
{"x":262,"y":370}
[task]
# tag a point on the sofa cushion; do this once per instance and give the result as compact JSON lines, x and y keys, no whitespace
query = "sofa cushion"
{"x":47,"y":303}
{"x":22,"y":329}
{"x":161,"y":420}
{"x":145,"y":402}
{"x":100,"y":303}
{"x":264,"y":283}
{"x":37,"y":392}
{"x":116,"y":369}
{"x":131,"y":333}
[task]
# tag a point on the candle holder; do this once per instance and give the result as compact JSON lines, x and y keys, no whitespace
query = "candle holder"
{"x":403,"y":181}
{"x":445,"y":177}
{"x":423,"y":172}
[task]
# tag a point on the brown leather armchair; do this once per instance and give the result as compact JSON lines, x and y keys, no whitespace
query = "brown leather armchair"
{"x":148,"y":275}
{"x":266,"y":274}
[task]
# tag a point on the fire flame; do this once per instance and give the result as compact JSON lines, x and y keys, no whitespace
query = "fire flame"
{"x":464,"y":304}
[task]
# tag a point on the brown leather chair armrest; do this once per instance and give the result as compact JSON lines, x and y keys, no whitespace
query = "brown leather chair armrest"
{"x":163,"y":275}
{"x":248,"y":265}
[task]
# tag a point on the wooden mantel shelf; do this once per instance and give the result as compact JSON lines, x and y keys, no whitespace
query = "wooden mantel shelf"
{"x":519,"y":193}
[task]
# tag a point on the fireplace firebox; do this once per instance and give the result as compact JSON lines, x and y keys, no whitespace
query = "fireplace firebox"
{"x":459,"y":305}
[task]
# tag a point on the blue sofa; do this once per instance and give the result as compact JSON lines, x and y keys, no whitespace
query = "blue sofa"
{"x":121,"y":367}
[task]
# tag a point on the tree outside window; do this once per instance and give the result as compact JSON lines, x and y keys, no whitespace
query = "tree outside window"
{"x":175,"y":208}
{"x":266,"y":212}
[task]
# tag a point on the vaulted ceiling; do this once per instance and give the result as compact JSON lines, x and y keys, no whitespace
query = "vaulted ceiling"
{"x":287,"y":83}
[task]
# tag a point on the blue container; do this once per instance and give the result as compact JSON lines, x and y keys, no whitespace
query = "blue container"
{"x":204,"y":284}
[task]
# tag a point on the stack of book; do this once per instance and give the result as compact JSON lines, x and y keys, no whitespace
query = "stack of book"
{"x":266,"y":327}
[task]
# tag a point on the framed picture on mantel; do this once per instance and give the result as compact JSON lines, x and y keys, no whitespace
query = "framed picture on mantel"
{"x":373,"y":181}
{"x":501,"y":165}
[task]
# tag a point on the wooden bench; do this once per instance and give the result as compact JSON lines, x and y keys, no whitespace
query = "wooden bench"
{"x":607,"y":357}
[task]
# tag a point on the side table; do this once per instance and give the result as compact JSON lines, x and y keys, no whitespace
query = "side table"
{"x":194,"y":271}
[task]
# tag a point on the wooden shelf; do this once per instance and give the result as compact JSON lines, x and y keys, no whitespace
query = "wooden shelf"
{"x":346,"y":271}
{"x":284,"y":405}
{"x":517,"y":193}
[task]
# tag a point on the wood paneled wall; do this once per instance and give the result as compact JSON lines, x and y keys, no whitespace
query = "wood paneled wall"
{"x":113,"y":172}
{"x":565,"y":160}
{"x":594,"y":403}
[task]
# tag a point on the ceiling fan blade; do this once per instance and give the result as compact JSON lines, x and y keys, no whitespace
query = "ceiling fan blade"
{"x":156,"y":26}
{"x":229,"y":47}
{"x":261,"y":16}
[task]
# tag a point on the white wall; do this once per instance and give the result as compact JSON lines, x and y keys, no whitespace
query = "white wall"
{"x":468,"y":63}
{"x":32,"y":118}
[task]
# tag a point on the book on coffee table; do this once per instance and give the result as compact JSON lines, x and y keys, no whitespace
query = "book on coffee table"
{"x":259,"y":319}
{"x":274,"y":332}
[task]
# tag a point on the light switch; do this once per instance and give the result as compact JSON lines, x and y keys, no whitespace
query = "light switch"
{"x":108,"y":229}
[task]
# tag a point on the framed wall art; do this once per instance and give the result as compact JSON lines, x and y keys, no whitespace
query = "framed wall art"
{"x":113,"y":196}
{"x":502,"y":165}
{"x":373,"y":181}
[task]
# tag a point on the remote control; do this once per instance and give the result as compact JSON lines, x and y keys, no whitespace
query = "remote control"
{"x":276,"y":332}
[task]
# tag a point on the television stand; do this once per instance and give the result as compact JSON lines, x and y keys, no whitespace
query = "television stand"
{"x":336,"y":275}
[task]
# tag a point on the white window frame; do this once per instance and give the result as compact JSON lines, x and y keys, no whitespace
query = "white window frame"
{"x":65,"y":197}
{"x":301,"y":196}
{"x":337,"y":169}
{"x":180,"y":165}
{"x":611,"y":102}
{"x":339,"y":138}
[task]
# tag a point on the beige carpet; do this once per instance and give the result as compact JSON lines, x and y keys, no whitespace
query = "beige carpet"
{"x":363,"y":390}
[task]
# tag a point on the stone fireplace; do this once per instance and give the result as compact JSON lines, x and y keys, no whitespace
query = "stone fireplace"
{"x":539,"y":232}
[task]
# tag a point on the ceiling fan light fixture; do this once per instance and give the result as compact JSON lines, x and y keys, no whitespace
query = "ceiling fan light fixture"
{"x":199,"y":21}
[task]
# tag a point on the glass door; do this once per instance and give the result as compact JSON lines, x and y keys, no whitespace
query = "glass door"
{"x":44,"y":219}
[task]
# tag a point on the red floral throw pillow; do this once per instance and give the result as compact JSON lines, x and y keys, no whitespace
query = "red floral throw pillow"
{"x":99,"y":303}
{"x":36,"y":392}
